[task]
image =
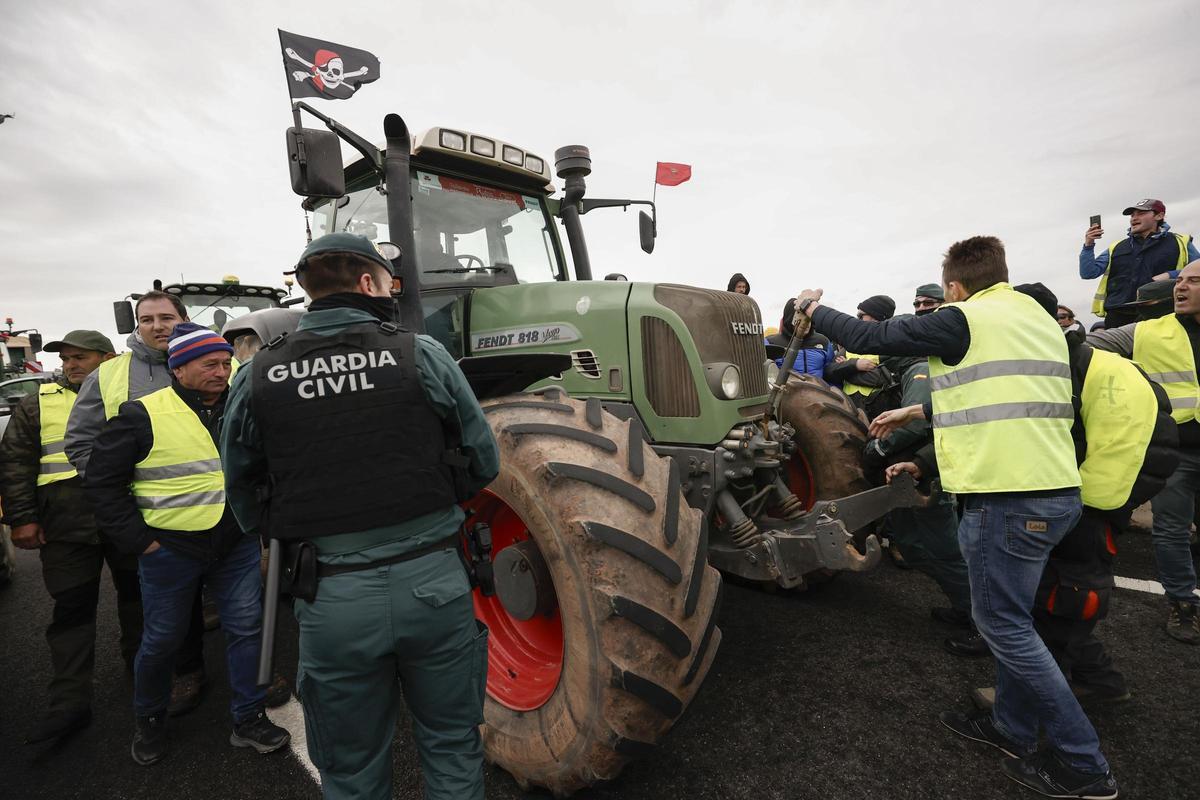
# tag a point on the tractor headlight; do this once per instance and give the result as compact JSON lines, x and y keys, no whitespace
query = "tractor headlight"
{"x":772,"y":371}
{"x":731,"y":383}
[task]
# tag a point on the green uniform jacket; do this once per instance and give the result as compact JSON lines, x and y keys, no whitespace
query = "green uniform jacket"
{"x":245,"y":464}
{"x":916,"y":438}
{"x":60,"y":507}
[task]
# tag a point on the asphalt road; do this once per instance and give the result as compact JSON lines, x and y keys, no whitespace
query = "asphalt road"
{"x":830,"y":694}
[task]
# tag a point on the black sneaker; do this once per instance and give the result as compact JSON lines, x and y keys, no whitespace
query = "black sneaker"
{"x":977,"y":726}
{"x":951,"y":616}
{"x":1045,"y":774}
{"x":968,"y":645}
{"x":149,"y":739}
{"x":1183,"y":623}
{"x":57,"y":724}
{"x":260,"y":733}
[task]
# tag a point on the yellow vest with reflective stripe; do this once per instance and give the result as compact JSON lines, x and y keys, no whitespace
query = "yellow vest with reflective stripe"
{"x":1102,"y":292}
{"x":54,"y":406}
{"x":1002,"y":416}
{"x":114,"y":382}
{"x":1164,"y":350}
{"x":179,"y":485}
{"x":854,"y":388}
{"x":1119,"y":411}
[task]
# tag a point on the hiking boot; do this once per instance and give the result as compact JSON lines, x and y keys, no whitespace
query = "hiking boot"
{"x":279,"y":692}
{"x":1183,"y":623}
{"x":1045,"y":774}
{"x":260,"y":733}
{"x":57,"y":724}
{"x":977,"y":726}
{"x":186,"y":692}
{"x":951,"y":616}
{"x":968,"y":645}
{"x":149,"y":739}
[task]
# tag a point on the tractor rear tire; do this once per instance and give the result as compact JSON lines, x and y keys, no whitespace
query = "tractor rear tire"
{"x":635,"y":597}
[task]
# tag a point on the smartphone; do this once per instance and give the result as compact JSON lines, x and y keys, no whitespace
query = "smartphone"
{"x":1095,"y":221}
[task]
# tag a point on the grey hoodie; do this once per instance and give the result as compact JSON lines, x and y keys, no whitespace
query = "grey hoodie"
{"x":148,"y":372}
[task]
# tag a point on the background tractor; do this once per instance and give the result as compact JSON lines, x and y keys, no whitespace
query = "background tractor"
{"x":642,"y":444}
{"x":212,"y":304}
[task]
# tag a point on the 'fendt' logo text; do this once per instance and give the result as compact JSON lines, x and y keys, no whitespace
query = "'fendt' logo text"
{"x":747,"y":328}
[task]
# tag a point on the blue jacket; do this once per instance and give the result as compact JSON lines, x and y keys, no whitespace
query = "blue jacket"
{"x":815,"y":354}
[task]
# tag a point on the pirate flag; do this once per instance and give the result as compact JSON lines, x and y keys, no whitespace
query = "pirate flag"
{"x":324,"y":69}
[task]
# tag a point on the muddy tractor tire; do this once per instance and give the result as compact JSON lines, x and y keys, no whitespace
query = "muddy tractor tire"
{"x":596,"y":660}
{"x":830,"y":434}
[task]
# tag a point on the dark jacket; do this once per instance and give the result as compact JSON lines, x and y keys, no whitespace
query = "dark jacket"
{"x":60,"y":507}
{"x":126,"y":440}
{"x":944,"y":333}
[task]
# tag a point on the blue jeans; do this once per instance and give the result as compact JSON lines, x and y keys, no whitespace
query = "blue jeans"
{"x":1174,"y":508}
{"x":1006,"y":540}
{"x":169,"y":584}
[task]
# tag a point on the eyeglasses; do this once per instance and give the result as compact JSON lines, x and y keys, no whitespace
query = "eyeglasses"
{"x":926,"y":303}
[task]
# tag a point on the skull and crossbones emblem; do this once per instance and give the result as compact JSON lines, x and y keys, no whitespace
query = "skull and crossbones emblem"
{"x":326,"y":69}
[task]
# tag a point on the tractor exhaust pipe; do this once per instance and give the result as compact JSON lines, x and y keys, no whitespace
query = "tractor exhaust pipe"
{"x":573,"y":163}
{"x":400,"y":228}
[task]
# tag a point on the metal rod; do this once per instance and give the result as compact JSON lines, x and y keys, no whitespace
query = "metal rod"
{"x":266,"y":653}
{"x":400,"y":221}
{"x":785,"y":369}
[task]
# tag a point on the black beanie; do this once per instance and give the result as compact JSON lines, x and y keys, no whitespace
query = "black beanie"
{"x":879,"y":306}
{"x":1044,"y":297}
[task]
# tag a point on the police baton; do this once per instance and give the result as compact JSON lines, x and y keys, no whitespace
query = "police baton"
{"x":270,"y":611}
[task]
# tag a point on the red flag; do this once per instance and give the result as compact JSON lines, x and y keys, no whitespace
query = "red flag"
{"x":670,"y":174}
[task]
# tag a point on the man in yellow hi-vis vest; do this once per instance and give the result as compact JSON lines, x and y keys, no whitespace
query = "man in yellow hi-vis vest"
{"x":1001,"y":413}
{"x":137,"y":372}
{"x":45,"y":505}
{"x":1166,"y":348}
{"x":155,"y":480}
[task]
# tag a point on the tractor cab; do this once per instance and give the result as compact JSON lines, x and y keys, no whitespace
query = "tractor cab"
{"x":212,"y":304}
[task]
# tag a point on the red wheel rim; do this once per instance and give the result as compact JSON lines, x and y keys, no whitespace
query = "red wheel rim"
{"x":800,"y":480}
{"x":525,"y":657}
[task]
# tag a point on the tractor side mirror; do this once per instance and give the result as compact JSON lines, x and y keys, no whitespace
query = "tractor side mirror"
{"x":35,"y":343}
{"x":646,"y":231}
{"x":315,"y":161}
{"x":123,"y":312}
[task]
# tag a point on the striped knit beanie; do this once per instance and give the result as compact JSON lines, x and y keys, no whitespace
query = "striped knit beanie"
{"x":189,"y":341}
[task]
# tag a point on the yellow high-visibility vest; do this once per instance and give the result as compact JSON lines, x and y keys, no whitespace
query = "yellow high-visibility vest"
{"x":179,"y":485}
{"x":1164,"y":350}
{"x":854,"y":388}
{"x":54,"y":406}
{"x":114,"y":382}
{"x":1102,"y":291}
{"x":1119,"y":411}
{"x":1002,"y":416}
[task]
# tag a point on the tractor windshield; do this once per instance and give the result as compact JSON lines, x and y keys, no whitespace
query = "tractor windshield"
{"x":465,"y":232}
{"x":214,"y":310}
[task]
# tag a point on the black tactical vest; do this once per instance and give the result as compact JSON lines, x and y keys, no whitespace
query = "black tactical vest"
{"x":350,"y":438}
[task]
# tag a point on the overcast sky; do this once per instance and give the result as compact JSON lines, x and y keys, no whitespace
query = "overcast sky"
{"x":843,"y":145}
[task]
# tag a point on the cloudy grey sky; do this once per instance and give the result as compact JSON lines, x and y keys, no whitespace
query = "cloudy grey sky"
{"x":840,"y":144}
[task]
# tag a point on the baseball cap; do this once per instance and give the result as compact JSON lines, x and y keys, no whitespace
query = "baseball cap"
{"x":1149,"y":204}
{"x":88,"y":340}
{"x":351,"y":243}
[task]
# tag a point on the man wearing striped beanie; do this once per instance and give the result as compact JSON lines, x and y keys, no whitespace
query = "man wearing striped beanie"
{"x":156,"y":483}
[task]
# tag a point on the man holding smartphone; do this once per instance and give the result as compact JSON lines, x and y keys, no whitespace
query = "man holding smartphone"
{"x":1149,"y":252}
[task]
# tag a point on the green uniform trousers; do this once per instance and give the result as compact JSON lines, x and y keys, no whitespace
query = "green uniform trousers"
{"x":368,"y":635}
{"x":71,"y":571}
{"x":928,"y":539}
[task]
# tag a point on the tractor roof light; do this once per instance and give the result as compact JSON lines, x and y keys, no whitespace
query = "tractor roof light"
{"x":513,"y":155}
{"x":483,"y":147}
{"x":452,"y":140}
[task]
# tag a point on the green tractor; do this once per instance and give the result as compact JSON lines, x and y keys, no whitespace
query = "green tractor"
{"x":644,"y":448}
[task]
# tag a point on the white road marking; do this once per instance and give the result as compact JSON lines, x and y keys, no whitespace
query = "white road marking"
{"x":1138,"y":585}
{"x":290,"y":715}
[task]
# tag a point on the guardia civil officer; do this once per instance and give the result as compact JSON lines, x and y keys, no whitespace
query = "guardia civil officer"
{"x":155,"y":483}
{"x":1166,"y":348}
{"x":45,"y":504}
{"x":361,"y":438}
{"x":1002,"y":412}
